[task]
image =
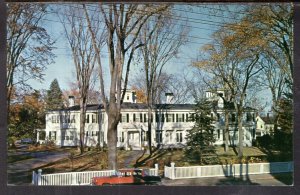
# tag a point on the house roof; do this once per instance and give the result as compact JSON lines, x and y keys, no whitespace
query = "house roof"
{"x":267,"y":120}
{"x":138,"y":106}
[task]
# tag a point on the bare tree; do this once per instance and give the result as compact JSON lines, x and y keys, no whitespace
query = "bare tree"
{"x":276,"y":23}
{"x":83,"y":54}
{"x":161,"y":45}
{"x":123,"y":24}
{"x":234,"y":60}
{"x":29,"y":46}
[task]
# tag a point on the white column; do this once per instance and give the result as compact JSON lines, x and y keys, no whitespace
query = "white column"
{"x":37,"y":135}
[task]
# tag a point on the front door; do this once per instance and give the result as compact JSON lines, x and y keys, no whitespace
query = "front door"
{"x":134,"y":140}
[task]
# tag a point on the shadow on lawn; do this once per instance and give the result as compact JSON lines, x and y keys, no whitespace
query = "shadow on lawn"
{"x":156,"y":153}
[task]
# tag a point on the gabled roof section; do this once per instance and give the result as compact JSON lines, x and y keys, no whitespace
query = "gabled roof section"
{"x":268,"y":120}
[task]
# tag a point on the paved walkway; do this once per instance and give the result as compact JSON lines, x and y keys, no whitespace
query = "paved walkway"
{"x":129,"y":160}
{"x":19,"y":173}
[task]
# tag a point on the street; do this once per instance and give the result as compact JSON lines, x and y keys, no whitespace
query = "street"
{"x":260,"y":179}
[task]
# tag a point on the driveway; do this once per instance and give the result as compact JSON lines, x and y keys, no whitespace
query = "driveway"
{"x":19,"y":173}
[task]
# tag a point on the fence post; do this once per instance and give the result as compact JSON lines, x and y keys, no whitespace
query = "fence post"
{"x":73,"y":179}
{"x":156,"y":169}
{"x":33,"y":178}
{"x":39,"y":178}
{"x":172,"y":170}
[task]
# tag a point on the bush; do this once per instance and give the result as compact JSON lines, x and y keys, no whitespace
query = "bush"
{"x":265,"y":141}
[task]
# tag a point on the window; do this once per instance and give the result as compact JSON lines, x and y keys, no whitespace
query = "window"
{"x":87,"y":133}
{"x":87,"y":118}
{"x":127,"y":117}
{"x":53,"y":119}
{"x":73,"y":119}
{"x":218,"y":116}
{"x":102,"y":118}
{"x":179,"y":136}
{"x":141,"y":117}
{"x":72,"y":135}
{"x":179,"y":117}
{"x":52,"y":135}
{"x":133,"y":117}
{"x":144,"y":136}
{"x":159,"y":136}
{"x":42,"y":135}
{"x":122,"y":138}
{"x":151,"y":118}
{"x":128,"y":97}
{"x":94,"y":116}
{"x":192,"y":117}
{"x":248,"y":117}
{"x":187,"y":117}
{"x":169,"y":117}
{"x":169,"y":136}
{"x":218,"y":131}
{"x":233,"y":117}
{"x":145,"y":118}
{"x":123,"y":118}
{"x":162,"y":117}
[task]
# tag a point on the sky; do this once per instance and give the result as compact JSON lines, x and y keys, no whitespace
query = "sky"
{"x":204,"y":20}
{"x":63,"y":68}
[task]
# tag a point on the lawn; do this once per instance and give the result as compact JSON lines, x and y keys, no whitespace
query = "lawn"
{"x":165,"y":157}
{"x":97,"y":160}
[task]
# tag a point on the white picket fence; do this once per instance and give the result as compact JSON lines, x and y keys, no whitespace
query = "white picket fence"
{"x":226,"y":170}
{"x":75,"y":178}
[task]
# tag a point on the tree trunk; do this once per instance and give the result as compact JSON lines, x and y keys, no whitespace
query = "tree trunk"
{"x":113,"y":120}
{"x":149,"y":128}
{"x":241,"y":133}
{"x":82,"y":125}
{"x":226,"y":131}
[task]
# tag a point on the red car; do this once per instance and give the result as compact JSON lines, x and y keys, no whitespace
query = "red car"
{"x":127,"y":177}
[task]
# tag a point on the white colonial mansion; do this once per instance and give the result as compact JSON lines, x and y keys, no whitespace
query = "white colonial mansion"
{"x":170,"y":125}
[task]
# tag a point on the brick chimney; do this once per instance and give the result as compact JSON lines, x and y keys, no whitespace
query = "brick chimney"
{"x":169,"y":98}
{"x":71,"y":101}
